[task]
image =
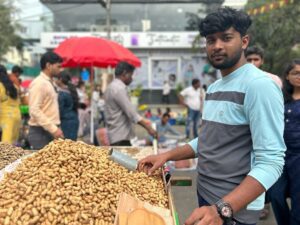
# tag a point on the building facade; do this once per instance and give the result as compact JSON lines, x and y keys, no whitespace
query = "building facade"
{"x":163,"y":35}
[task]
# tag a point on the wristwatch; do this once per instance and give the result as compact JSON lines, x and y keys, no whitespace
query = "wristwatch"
{"x":225,"y":211}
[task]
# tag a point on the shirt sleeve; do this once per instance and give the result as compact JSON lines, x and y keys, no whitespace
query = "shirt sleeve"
{"x":194,"y":144}
{"x":265,"y":112}
{"x":122,"y":100}
{"x":184,"y":92}
{"x":172,"y":130}
{"x":36,"y":96}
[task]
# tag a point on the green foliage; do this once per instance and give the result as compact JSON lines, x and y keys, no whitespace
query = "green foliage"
{"x":277,"y":32}
{"x":137,"y":91}
{"x":179,"y":88}
{"x":8,"y":37}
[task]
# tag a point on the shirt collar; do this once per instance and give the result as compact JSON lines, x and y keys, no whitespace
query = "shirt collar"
{"x":43,"y":75}
{"x":121,"y":83}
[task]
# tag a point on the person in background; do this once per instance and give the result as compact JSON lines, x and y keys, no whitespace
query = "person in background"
{"x":16,"y":72}
{"x":289,"y":182}
{"x":166,"y":92}
{"x":101,"y":107}
{"x":83,"y":110}
{"x":148,"y":114}
{"x":10,"y":115}
{"x":120,"y":114}
{"x":191,"y":97}
{"x":68,"y":106}
{"x":159,"y":113}
{"x":255,"y":55}
{"x":163,"y":128}
{"x":240,"y":147}
{"x":44,"y":122}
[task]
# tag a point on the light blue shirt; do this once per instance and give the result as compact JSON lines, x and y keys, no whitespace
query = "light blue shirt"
{"x":242,"y":134}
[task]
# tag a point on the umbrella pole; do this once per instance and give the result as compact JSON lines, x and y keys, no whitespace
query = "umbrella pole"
{"x":92,"y":106}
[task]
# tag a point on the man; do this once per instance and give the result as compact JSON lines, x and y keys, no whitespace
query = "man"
{"x":43,"y":103}
{"x":240,"y":147}
{"x":255,"y":55}
{"x":119,"y":112}
{"x":166,"y":92}
{"x":164,"y":128}
{"x":192,"y":99}
{"x":15,"y":76}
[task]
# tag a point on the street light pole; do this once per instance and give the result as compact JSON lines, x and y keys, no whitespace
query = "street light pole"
{"x":108,"y":18}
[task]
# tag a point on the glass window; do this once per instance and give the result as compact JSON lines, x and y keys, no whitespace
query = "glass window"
{"x":127,"y":17}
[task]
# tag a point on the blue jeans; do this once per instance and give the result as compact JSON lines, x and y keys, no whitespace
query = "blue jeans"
{"x":277,"y":195}
{"x":193,"y":117}
{"x":287,"y":185}
{"x":202,"y":202}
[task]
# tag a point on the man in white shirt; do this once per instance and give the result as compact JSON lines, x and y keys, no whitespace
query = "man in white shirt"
{"x":191,"y":98}
{"x":166,"y":92}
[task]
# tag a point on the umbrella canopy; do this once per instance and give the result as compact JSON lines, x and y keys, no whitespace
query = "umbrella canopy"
{"x":92,"y":51}
{"x":26,"y":83}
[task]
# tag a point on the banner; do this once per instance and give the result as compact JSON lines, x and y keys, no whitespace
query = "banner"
{"x":268,"y":7}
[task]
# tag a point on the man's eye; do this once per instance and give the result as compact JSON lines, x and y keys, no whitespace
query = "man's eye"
{"x":209,"y":41}
{"x":227,"y":38}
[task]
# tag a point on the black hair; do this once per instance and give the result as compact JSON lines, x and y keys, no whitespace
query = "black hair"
{"x":257,"y":50}
{"x":166,"y":114}
{"x":288,"y":88}
{"x":17,"y":69}
{"x":49,"y":57}
{"x":80,"y":83}
{"x":65,"y":78}
{"x":195,"y":81}
{"x":223,"y":19}
{"x":10,"y":89}
{"x":123,"y":67}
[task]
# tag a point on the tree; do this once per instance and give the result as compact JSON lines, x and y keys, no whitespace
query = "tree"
{"x":277,"y":32}
{"x":8,"y":37}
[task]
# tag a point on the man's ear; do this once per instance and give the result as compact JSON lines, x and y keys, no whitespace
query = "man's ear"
{"x":245,"y":41}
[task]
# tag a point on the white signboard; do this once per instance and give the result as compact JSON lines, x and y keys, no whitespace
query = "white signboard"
{"x":129,"y":39}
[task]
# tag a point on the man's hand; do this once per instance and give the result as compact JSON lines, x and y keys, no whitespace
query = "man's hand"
{"x":205,"y":215}
{"x":58,"y":134}
{"x":151,"y":163}
{"x":152,"y":132}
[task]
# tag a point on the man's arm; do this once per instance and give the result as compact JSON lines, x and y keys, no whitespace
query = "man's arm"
{"x":154,"y":162}
{"x":126,"y":106}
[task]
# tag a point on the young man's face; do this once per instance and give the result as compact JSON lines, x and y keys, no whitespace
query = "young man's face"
{"x":224,"y":49}
{"x":128,"y":78}
{"x":54,"y":69}
{"x":255,"y":59}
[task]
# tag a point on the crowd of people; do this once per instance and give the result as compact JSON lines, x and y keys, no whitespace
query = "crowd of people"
{"x":248,"y":143}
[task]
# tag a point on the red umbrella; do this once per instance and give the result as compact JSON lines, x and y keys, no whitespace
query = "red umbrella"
{"x":26,"y":83}
{"x":92,"y":51}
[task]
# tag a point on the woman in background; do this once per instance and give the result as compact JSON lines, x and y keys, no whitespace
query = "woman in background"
{"x":10,"y":115}
{"x":68,"y":106}
{"x":289,"y":182}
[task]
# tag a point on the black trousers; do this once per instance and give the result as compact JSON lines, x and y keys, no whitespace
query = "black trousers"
{"x":38,"y":137}
{"x":121,"y":143}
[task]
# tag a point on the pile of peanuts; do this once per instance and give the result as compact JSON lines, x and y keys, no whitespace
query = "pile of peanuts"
{"x":72,"y":183}
{"x":9,"y":154}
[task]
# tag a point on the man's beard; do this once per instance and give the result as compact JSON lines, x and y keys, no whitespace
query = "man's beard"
{"x":228,"y":62}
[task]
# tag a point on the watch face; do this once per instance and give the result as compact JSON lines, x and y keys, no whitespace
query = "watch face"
{"x":226,"y":212}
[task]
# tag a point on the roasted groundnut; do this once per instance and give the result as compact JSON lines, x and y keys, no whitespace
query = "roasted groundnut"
{"x":72,"y":183}
{"x":9,"y":154}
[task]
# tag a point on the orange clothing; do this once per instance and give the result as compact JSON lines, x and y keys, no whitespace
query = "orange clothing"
{"x":43,"y":104}
{"x":10,"y":117}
